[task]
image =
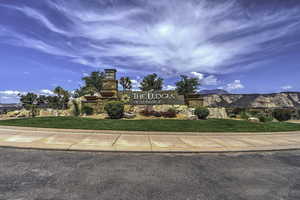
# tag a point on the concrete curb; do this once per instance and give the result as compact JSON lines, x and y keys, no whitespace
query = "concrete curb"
{"x":150,"y":152}
{"x":80,"y":131}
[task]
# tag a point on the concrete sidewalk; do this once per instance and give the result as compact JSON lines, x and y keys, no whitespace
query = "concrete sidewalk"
{"x":85,"y":140}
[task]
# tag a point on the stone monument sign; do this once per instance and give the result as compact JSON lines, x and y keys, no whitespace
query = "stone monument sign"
{"x":152,"y":98}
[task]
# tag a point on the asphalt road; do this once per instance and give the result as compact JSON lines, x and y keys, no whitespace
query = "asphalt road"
{"x":45,"y":175}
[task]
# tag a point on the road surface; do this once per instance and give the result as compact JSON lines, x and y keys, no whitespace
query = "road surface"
{"x":55,"y":175}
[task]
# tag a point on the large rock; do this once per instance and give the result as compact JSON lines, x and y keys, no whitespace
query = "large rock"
{"x":253,"y":119}
{"x":18,"y":114}
{"x":129,"y":115}
{"x":192,"y":117}
{"x":217,"y":113}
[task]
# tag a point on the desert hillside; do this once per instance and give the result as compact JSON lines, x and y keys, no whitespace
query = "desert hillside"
{"x":275,"y":100}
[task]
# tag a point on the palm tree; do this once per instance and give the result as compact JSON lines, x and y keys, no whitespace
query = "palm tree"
{"x":63,"y":96}
{"x":126,"y":83}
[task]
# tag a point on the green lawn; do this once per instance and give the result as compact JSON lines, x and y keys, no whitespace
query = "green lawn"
{"x":211,"y":125}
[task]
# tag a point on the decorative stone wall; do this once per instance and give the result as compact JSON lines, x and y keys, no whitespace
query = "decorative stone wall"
{"x":196,"y":103}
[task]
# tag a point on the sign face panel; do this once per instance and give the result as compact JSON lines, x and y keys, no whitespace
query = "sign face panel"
{"x":153,"y":98}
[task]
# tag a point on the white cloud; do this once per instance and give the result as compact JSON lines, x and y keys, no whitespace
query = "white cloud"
{"x":198,"y":75}
{"x":37,"y":15}
{"x":46,"y":92}
{"x":10,"y":92}
{"x":210,"y":80}
{"x":287,"y":87}
{"x":205,"y":80}
{"x":235,"y":85}
{"x":10,"y":96}
{"x":169,"y":87}
{"x":135,"y":84}
{"x":85,"y":74}
{"x":209,"y":37}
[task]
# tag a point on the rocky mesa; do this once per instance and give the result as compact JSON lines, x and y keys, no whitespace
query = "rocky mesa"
{"x":274,"y":100}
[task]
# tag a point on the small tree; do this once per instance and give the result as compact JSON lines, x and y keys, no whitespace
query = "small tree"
{"x":152,"y":82}
{"x":59,"y":91}
{"x":63,"y":97}
{"x":187,"y":85}
{"x":30,"y":102}
{"x":94,"y":82}
{"x":126,"y":83}
{"x":53,"y":102}
{"x":76,"y":109}
{"x":82,"y":91}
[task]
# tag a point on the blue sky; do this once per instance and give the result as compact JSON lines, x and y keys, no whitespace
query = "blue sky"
{"x":249,"y":46}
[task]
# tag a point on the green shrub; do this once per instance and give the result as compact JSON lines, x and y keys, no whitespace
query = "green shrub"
{"x":87,"y":110}
{"x":264,"y":118}
{"x":201,"y":112}
{"x":255,"y":113}
{"x":237,"y":111}
{"x":244,"y":115}
{"x":115,"y":109}
{"x":282,"y":114}
{"x":232,"y":115}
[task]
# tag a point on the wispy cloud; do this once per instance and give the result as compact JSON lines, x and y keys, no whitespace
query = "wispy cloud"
{"x":46,"y":92}
{"x":172,"y":37}
{"x":9,"y":96}
{"x":286,"y":87}
{"x":235,"y":85}
{"x":10,"y":92}
{"x":169,"y":87}
{"x":205,"y":80}
{"x":38,"y":16}
{"x":13,"y":96}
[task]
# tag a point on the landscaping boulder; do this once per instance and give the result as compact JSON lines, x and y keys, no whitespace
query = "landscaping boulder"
{"x":192,"y":117}
{"x":129,"y":115}
{"x":217,"y":113}
{"x":13,"y":113}
{"x":24,"y":113}
{"x":253,"y":119}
